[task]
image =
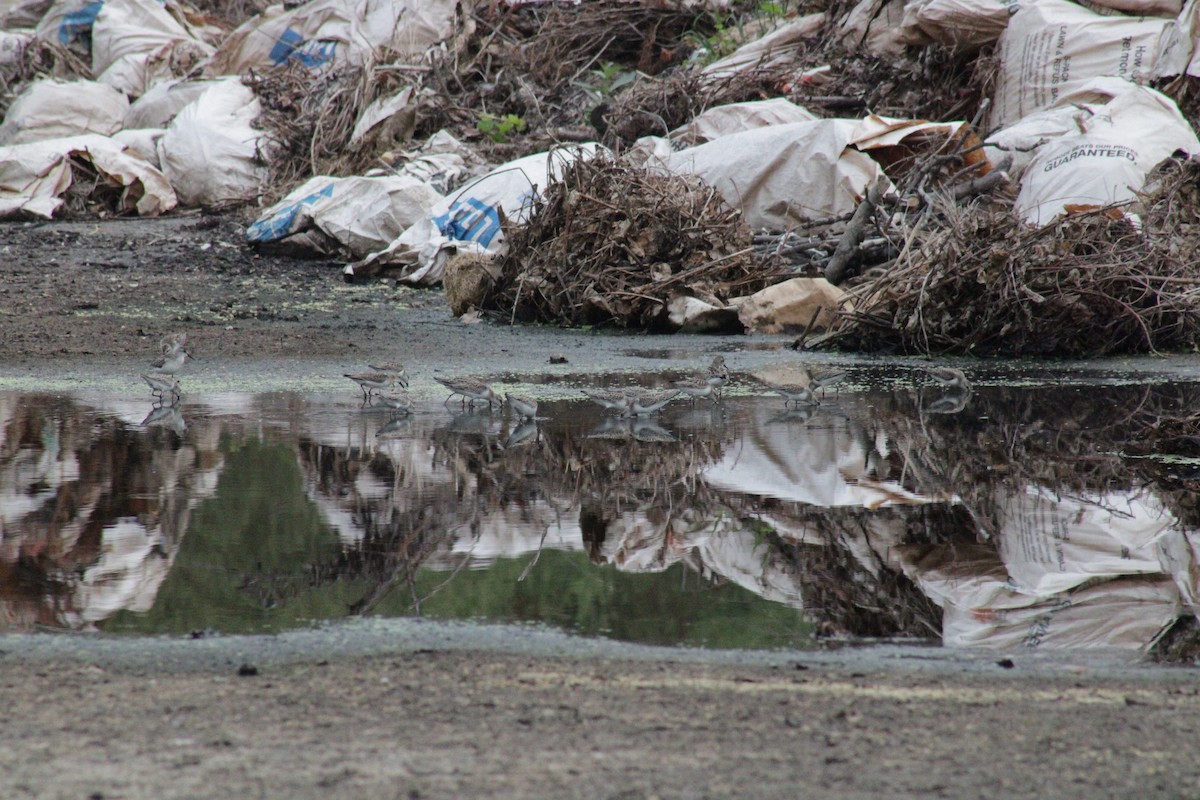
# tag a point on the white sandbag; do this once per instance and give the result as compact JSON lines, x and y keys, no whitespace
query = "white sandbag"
{"x":777,"y":47}
{"x":737,"y":117}
{"x":1105,"y":155}
{"x":1050,"y":544}
{"x":54,"y":109}
{"x":470,"y":218}
{"x":142,"y":142}
{"x":137,"y":44}
{"x":325,"y":32}
{"x":1053,"y":47}
{"x":210,"y":152}
{"x":967,"y":25}
{"x":784,"y":175}
{"x":874,"y":26}
{"x":22,"y":14}
{"x":12,"y":52}
{"x":158,"y":106}
{"x":34,"y":175}
{"x":68,"y":23}
{"x":361,"y":214}
{"x":441,"y":161}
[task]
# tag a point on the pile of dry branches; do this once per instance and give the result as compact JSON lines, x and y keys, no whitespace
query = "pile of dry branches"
{"x":982,"y":282}
{"x":612,"y":245}
{"x":308,"y":119}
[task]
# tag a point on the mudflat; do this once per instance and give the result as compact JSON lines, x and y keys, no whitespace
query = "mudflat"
{"x":462,"y":712}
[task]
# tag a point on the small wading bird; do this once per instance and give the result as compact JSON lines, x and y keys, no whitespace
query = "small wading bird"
{"x":395,"y":369}
{"x":697,"y":388}
{"x":794,"y":395}
{"x":718,"y":375}
{"x":618,"y":399}
{"x":522,"y":406}
{"x":820,"y":381}
{"x":642,"y":404}
{"x":371,"y":382}
{"x":470,"y":389}
{"x":163,"y":386}
{"x":397,"y":400}
{"x":948,"y":377}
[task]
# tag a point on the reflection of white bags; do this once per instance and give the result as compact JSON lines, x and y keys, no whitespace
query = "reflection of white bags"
{"x":1053,"y":47}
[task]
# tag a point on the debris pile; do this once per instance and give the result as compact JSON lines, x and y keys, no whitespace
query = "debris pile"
{"x":931,"y":157}
{"x":1092,"y":283}
{"x":610,"y":244}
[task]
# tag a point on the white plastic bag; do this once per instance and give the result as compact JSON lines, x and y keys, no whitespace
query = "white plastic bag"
{"x":361,"y":214}
{"x":737,"y":117}
{"x":34,"y":175}
{"x":1105,"y":156}
{"x":1053,"y":47}
{"x":53,"y":109}
{"x":783,"y":175}
{"x":324,"y":32}
{"x":470,"y":218}
{"x":137,"y":44}
{"x":210,"y":152}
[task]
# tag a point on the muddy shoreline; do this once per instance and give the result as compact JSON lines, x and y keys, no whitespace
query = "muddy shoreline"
{"x":420,"y":709}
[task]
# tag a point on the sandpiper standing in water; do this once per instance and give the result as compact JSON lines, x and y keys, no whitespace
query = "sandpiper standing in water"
{"x":525,"y":407}
{"x":471,"y":390}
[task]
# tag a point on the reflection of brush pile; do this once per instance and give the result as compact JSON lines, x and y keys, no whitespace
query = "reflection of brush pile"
{"x":845,"y":596}
{"x":1089,"y":284}
{"x":613,"y":245}
{"x":1057,"y":438}
{"x":309,"y":118}
{"x":543,"y":63}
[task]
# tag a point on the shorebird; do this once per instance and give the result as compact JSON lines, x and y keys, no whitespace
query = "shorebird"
{"x":820,"y":381}
{"x":397,"y":400}
{"x":161,"y":386}
{"x":371,"y":382}
{"x":796,"y":395}
{"x":170,"y":364}
{"x":618,"y":399}
{"x":696,"y":388}
{"x":172,"y":343}
{"x":642,"y":404}
{"x":524,"y":407}
{"x":471,"y":389}
{"x":718,"y":375}
{"x":948,"y":377}
{"x":395,"y":369}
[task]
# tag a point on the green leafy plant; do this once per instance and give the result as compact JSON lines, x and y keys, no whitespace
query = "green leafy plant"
{"x":498,"y":129}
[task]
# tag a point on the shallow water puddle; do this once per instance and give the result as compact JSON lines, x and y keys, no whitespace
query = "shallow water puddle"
{"x":1043,"y":515}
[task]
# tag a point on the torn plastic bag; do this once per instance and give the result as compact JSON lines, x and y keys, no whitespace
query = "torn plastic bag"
{"x":737,"y":117}
{"x":777,"y":47}
{"x":470,"y":218}
{"x":326,"y":32}
{"x":33,"y":176}
{"x":359,"y":215}
{"x":784,"y":175}
{"x":54,"y":109}
{"x":138,"y":43}
{"x":12,"y":53}
{"x":210,"y":152}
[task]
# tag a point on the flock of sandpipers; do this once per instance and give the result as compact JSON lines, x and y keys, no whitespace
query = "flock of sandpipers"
{"x":387,"y":383}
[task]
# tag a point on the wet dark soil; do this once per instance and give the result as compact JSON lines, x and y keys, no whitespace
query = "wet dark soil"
{"x":450,"y":723}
